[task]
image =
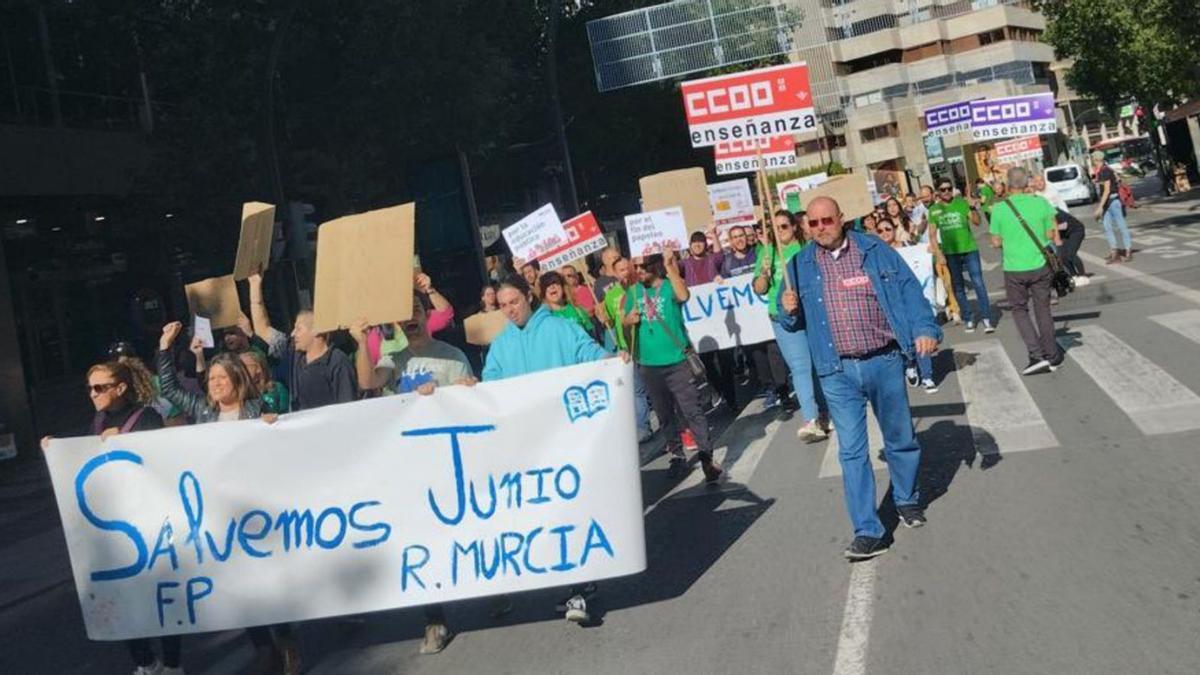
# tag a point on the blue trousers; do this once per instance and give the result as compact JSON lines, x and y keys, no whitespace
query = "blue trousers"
{"x":1114,"y":216}
{"x":925,"y":367}
{"x":878,"y":380}
{"x":641,"y":403}
{"x":957,"y":262}
{"x":794,"y":348}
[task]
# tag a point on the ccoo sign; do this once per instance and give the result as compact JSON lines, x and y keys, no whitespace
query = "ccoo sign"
{"x":1013,"y":116}
{"x":756,"y":104}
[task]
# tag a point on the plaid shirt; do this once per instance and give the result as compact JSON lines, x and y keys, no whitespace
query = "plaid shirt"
{"x":856,"y":319}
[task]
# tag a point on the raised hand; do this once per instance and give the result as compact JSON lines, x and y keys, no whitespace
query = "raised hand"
{"x":170,"y":332}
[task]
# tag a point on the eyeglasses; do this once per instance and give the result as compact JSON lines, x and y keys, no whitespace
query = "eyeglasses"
{"x":827,"y":221}
{"x":885,"y":229}
{"x":946,"y":188}
{"x":100,"y":388}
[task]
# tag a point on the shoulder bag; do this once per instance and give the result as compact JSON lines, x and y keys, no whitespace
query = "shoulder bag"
{"x":1062,"y":281}
{"x":693,"y":359}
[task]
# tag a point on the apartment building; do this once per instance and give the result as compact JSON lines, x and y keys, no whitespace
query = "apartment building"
{"x":878,"y":64}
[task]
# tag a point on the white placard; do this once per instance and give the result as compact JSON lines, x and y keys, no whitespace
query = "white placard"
{"x":732,"y":204}
{"x":202,"y":328}
{"x":536,"y":234}
{"x":792,"y":189}
{"x":920,"y":261}
{"x":726,"y":314}
{"x":648,"y":232}
{"x":520,"y":484}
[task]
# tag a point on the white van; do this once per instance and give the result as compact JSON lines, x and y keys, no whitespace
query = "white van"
{"x":1072,"y":182}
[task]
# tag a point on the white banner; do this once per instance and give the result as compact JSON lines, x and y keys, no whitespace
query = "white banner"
{"x":726,"y":314}
{"x":536,"y":234}
{"x":920,"y":261}
{"x":392,"y":502}
{"x":732,"y":204}
{"x":649,"y":232}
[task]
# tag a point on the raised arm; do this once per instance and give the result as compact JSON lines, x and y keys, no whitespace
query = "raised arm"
{"x":675,"y":277}
{"x":168,"y":378}
{"x":258,"y":308}
{"x":369,"y":377}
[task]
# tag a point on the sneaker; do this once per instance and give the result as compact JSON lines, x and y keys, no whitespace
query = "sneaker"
{"x":677,"y":466}
{"x":501,"y":605}
{"x":910,"y":374}
{"x":1057,"y":361}
{"x":577,"y":610}
{"x":988,"y":327}
{"x":787,"y":408}
{"x":771,"y":400}
{"x":155,"y":668}
{"x":865,"y":548}
{"x":969,"y":327}
{"x":1036,"y":366}
{"x":714,"y":403}
{"x":911,"y":516}
{"x":712,"y":471}
{"x":688,"y":440}
{"x":1081,"y":281}
{"x":812,"y":432}
{"x":929,"y":385}
{"x":436,"y":637}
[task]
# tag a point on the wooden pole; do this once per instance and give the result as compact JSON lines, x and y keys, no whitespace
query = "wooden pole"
{"x":768,"y":202}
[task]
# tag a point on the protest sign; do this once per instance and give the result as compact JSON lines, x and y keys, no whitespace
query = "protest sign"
{"x":483,"y":327}
{"x":920,"y":261}
{"x":748,"y":156}
{"x":365,"y":268}
{"x":534,"y":235}
{"x":851,"y":192}
{"x":732,"y":204}
{"x":254,"y":243}
{"x":773,"y":101}
{"x":726,"y":314}
{"x":202,"y":329}
{"x":1019,"y":149}
{"x":649,"y":232}
{"x":1013,"y":116}
{"x":686,"y":189}
{"x":789,"y":190}
{"x":947,"y":120}
{"x":525,"y":483}
{"x":215,"y":299}
{"x":584,"y":237}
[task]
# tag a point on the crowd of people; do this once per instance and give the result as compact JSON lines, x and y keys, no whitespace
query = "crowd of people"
{"x":851,"y":325}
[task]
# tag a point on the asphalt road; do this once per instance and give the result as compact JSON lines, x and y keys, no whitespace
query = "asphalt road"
{"x":1075,"y":551}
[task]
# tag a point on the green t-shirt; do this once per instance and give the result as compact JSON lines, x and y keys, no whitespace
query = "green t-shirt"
{"x":1020,"y":253}
{"x":276,"y":399}
{"x":953,"y":222}
{"x":766,"y":254}
{"x":573,"y":313}
{"x":661,"y":336}
{"x":614,"y":299}
{"x":986,"y":195}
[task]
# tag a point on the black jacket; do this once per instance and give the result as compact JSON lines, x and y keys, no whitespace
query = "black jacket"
{"x":196,"y":407}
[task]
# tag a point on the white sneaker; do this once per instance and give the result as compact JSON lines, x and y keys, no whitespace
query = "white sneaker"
{"x":577,"y":610}
{"x":910,"y":374}
{"x":812,"y":432}
{"x":970,"y":327}
{"x":988,"y":327}
{"x":929,"y":385}
{"x":1081,"y":281}
{"x":436,"y":637}
{"x":155,"y":668}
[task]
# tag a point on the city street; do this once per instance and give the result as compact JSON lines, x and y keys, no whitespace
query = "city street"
{"x":1060,"y":539}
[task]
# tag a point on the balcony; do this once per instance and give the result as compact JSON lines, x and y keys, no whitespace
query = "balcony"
{"x":880,"y":150}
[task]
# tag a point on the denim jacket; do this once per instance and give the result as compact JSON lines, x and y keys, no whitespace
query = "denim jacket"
{"x":908,"y":312}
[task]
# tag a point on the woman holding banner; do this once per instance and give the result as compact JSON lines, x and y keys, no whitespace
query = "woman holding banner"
{"x":231,"y":396}
{"x":122,"y":394}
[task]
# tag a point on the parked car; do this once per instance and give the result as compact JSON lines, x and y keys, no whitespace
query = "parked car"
{"x":1072,"y":182}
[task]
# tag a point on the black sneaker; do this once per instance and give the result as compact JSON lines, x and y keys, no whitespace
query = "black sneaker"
{"x":787,"y":408}
{"x":1036,"y":366}
{"x":911,"y":516}
{"x":865,"y":548}
{"x":1057,"y":361}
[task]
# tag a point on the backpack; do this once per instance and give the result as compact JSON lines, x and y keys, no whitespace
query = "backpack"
{"x":1126,"y":195}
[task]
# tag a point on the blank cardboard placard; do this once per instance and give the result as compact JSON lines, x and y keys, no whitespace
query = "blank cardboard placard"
{"x":215,"y":299}
{"x":685,"y":188}
{"x":849,"y":191}
{"x":365,"y":268}
{"x":483,"y":327}
{"x":254,"y":244}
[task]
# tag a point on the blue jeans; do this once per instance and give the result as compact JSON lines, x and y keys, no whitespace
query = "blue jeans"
{"x":956,"y":262}
{"x":1115,"y":214}
{"x":925,"y":367}
{"x":641,"y":404}
{"x":880,"y":381}
{"x":794,"y":348}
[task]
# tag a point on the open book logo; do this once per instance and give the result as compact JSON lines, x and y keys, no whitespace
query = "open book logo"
{"x":585,"y":401}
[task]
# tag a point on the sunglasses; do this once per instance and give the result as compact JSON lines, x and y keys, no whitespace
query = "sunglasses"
{"x":100,"y":388}
{"x":945,"y":189}
{"x":885,"y":229}
{"x":827,"y":221}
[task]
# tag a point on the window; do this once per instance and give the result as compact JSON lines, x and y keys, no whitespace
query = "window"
{"x":1062,"y":174}
{"x":863,"y":100}
{"x":890,"y":130}
{"x":991,"y":36}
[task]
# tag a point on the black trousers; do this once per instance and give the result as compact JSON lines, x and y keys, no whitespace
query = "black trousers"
{"x":1031,"y":291}
{"x":719,"y":367}
{"x":1068,"y":253}
{"x":671,"y":387}
{"x":770,"y":370}
{"x":143,"y":652}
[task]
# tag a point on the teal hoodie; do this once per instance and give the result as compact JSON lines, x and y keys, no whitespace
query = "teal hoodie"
{"x":546,"y":342}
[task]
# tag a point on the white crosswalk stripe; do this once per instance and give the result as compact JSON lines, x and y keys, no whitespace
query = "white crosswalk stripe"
{"x":1186,"y":323}
{"x":1002,"y":414}
{"x":740,"y":450}
{"x":1154,"y":400}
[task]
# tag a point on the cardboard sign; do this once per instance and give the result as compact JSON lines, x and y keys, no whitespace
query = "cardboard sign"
{"x":728,"y":314}
{"x":649,"y":232}
{"x":732,"y":204}
{"x":686,"y":189}
{"x":365,"y":268}
{"x":483,"y":327}
{"x":777,"y":152}
{"x":254,"y":243}
{"x":1019,"y":149}
{"x":759,"y":103}
{"x":536,"y":234}
{"x":848,"y":190}
{"x":789,"y":191}
{"x":221,"y":526}
{"x":584,"y":237}
{"x":1013,"y":116}
{"x":216,"y":299}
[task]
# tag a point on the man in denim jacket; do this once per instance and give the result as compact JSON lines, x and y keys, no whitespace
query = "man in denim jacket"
{"x":866,"y":317}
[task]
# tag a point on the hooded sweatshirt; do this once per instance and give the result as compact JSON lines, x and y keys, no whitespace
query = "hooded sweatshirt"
{"x":546,"y":342}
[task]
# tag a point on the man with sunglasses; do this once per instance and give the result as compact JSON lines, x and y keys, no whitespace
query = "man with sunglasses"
{"x":953,"y":244}
{"x":866,"y":317}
